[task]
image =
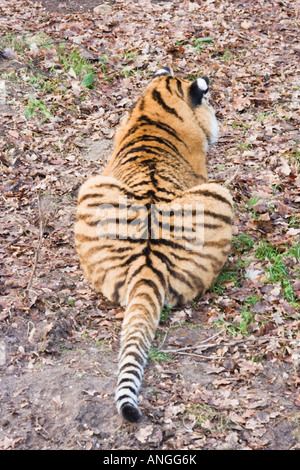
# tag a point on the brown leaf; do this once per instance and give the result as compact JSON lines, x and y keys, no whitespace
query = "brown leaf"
{"x":143,"y":433}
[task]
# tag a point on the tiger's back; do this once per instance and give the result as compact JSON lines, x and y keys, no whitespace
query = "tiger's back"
{"x":151,"y":230}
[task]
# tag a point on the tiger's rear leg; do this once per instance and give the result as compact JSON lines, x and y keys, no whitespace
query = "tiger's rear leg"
{"x":202,"y":249}
{"x":101,"y":238}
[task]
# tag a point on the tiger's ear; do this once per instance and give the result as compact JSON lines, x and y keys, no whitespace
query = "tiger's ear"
{"x":198,"y":89}
{"x":163,"y":71}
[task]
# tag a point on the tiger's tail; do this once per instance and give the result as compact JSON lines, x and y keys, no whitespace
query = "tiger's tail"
{"x":141,"y":319}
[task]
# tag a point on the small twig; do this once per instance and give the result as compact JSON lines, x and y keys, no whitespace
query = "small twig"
{"x":211,"y":358}
{"x":17,"y":238}
{"x":165,"y":337}
{"x":76,"y":44}
{"x":232,"y":177}
{"x":213,"y":336}
{"x":95,"y":57}
{"x":214,"y":345}
{"x":191,"y":347}
{"x":38,"y":249}
{"x":202,"y":345}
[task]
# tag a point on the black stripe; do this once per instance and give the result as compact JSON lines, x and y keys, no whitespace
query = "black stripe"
{"x":141,"y":104}
{"x":127,"y":397}
{"x":181,"y":278}
{"x":220,"y":244}
{"x":131,"y":259}
{"x":119,"y":249}
{"x":163,"y":126}
{"x":149,"y":138}
{"x":88,"y":196}
{"x":128,"y":260}
{"x":212,"y":226}
{"x":209,"y":256}
{"x":141,"y":348}
{"x":164,"y":258}
{"x":190,"y":260}
{"x":144,"y":149}
{"x":123,"y":191}
{"x":207,"y":135}
{"x":159,"y":274}
{"x":179,"y":87}
{"x":113,"y":204}
{"x":157,"y":97}
{"x":206,"y":192}
{"x":171,"y":243}
{"x":90,"y":223}
{"x":149,"y":283}
{"x":101,"y":185}
{"x":135,"y":355}
{"x":110,"y":258}
{"x":168,"y":178}
{"x":168,"y":79}
{"x":133,"y":222}
{"x":141,"y":183}
{"x":224,"y":218}
{"x":127,"y":380}
{"x":128,"y":387}
{"x":133,"y":369}
{"x":116,"y":294}
{"x":138,"y":157}
{"x":176,"y":295}
{"x":86,"y":238}
{"x":149,"y":299}
{"x":170,"y":264}
{"x":176,"y":274}
{"x":146,"y":329}
{"x":135,"y":273}
{"x":145,"y":121}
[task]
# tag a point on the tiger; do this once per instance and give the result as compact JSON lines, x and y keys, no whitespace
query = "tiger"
{"x":151,"y":230}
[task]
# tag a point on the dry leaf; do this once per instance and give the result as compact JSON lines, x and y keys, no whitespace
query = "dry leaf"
{"x":143,"y":433}
{"x":58,"y":401}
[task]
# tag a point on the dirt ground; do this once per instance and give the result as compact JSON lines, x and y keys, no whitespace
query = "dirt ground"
{"x":59,"y":345}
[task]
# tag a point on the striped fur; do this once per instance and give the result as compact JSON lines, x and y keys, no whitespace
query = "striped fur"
{"x":151,"y":230}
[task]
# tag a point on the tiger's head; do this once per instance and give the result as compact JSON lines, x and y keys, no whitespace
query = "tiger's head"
{"x":178,"y":104}
{"x":184,"y":101}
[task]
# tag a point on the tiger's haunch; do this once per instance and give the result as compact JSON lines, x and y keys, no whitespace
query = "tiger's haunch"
{"x":152,"y":230}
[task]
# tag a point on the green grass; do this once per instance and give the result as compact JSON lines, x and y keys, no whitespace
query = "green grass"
{"x":244,"y":146}
{"x":243,"y":243}
{"x":227,"y":275}
{"x":295,"y":251}
{"x":253,"y":200}
{"x":36,"y":107}
{"x":71,"y":59}
{"x":295,"y":221}
{"x":157,"y":356}
{"x":280,"y":268}
{"x":165,"y":314}
{"x":241,"y":327}
{"x":200,"y":43}
{"x":276,"y":268}
{"x":55,"y":80}
{"x":15,"y":42}
{"x":252,"y":300}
